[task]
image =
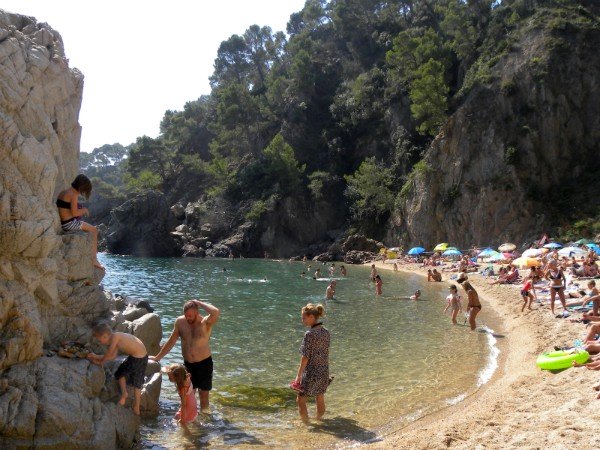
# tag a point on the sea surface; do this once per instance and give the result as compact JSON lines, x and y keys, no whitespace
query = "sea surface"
{"x":392,"y":358}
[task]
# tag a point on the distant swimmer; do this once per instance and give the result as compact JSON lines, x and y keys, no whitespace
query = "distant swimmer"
{"x":343,"y":270}
{"x":373,"y":272}
{"x":434,"y":275}
{"x":330,"y":292}
{"x":317,"y":274}
{"x":332,"y":270}
{"x":416,"y":295}
{"x":303,"y":274}
{"x":378,"y":284}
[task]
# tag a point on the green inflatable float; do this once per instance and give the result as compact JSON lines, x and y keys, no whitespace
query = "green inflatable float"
{"x":561,"y":359}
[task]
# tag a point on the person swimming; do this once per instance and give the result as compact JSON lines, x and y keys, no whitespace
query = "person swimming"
{"x":416,"y":295}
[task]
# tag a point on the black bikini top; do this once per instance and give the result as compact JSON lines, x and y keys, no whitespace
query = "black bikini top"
{"x":62,"y":204}
{"x":316,"y":324}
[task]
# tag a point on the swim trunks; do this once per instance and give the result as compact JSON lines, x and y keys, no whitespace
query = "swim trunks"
{"x":73,"y":224}
{"x":524,"y":293}
{"x":134,"y":370}
{"x":201,"y":372}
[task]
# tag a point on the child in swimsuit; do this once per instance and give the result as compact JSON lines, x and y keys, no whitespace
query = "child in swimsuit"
{"x":70,"y":212}
{"x":526,"y":293}
{"x":188,"y":411}
{"x":378,"y":284}
{"x":454,"y":303}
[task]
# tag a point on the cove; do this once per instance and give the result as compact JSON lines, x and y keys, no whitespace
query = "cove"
{"x":392,"y":358}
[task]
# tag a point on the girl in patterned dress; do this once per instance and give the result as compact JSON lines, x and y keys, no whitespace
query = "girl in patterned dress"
{"x":313,"y":373}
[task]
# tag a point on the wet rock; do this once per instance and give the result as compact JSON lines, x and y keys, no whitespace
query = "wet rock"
{"x":149,"y":330}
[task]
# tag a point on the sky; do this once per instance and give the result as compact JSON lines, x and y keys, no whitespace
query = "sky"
{"x":141,"y":58}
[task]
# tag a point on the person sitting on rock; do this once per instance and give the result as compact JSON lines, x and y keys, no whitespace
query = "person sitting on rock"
{"x":70,"y":212}
{"x":132,"y":370}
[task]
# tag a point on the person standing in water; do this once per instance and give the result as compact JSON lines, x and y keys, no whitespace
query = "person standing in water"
{"x":70,"y":213}
{"x":312,"y":378}
{"x":454,"y":303}
{"x":330,"y":292}
{"x":195,"y":330}
{"x":473,"y":306}
{"x":378,"y":285}
{"x":373,"y":272}
{"x":343,"y":270}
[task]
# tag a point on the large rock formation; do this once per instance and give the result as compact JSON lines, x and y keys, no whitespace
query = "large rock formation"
{"x":142,"y":226}
{"x":521,"y":152}
{"x":48,"y":288}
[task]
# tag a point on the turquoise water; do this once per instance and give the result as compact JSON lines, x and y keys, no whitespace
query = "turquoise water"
{"x":391,"y":357}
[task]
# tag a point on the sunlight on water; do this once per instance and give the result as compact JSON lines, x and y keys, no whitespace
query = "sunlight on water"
{"x":391,"y":357}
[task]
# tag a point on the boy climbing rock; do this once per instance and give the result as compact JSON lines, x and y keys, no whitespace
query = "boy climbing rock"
{"x":132,"y":370}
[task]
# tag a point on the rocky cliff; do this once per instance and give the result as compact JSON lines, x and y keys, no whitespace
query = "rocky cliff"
{"x":520,"y":156}
{"x":48,"y":289}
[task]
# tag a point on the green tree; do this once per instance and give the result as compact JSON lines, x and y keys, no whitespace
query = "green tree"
{"x":429,"y":97}
{"x":282,"y":165}
{"x":370,"y":192}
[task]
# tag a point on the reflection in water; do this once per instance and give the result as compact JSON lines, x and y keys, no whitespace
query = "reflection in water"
{"x":391,"y":357}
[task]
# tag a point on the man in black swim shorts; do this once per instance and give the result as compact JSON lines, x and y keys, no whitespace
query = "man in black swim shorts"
{"x":194,"y":331}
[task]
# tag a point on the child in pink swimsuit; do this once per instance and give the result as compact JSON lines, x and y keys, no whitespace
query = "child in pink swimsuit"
{"x":189,"y":408}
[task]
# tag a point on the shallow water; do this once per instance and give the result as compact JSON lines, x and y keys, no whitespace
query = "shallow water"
{"x":391,"y":357}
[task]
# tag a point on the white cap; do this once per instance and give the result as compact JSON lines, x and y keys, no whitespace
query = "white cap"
{"x":462,"y":277}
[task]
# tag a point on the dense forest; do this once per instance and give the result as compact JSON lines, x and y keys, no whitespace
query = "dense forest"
{"x":338,"y":111}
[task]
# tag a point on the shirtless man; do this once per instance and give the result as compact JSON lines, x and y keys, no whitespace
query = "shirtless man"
{"x":194,"y":329}
{"x":330,"y":292}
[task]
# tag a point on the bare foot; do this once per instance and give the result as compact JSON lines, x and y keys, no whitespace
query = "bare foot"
{"x":123,"y":399}
{"x":97,"y":264}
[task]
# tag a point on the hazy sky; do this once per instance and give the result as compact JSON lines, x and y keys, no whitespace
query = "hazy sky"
{"x":140,"y":58}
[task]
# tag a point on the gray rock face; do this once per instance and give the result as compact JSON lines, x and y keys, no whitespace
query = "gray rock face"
{"x":60,"y":400}
{"x":517,"y":148}
{"x":359,"y":257}
{"x":48,"y":289}
{"x":142,"y":226}
{"x":360,"y":243}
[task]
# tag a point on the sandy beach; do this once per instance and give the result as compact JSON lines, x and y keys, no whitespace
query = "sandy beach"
{"x":522,"y":406}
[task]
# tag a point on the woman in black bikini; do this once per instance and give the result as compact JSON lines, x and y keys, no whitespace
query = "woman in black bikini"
{"x":474,"y":306}
{"x":555,"y":275}
{"x":70,"y":213}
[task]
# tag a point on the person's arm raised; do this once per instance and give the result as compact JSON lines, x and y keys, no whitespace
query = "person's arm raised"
{"x":213,"y":311}
{"x":166,"y":348}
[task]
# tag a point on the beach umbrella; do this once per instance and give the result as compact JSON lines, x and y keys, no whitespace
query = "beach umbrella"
{"x":532,"y":252}
{"x":523,"y":261}
{"x":486,"y":253}
{"x":593,"y":247}
{"x":571,"y":251}
{"x":452,"y":252}
{"x":496,"y":257}
{"x":508,"y":247}
{"x":441,"y":247}
{"x":508,"y":255}
{"x":416,"y":251}
{"x":553,"y":245}
{"x":583,"y":241}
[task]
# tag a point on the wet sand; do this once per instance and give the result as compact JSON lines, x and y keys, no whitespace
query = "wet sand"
{"x":522,"y":406}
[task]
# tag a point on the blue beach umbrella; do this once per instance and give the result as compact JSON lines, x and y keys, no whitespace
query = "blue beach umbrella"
{"x":593,"y":247}
{"x":497,"y":257}
{"x":553,"y":245}
{"x":452,"y":252}
{"x":487,"y":253}
{"x":416,"y":251}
